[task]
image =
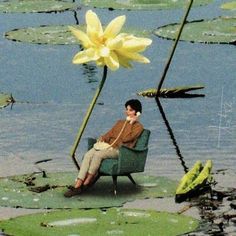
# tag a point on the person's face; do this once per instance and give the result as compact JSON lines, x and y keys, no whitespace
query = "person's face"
{"x":130,"y":111}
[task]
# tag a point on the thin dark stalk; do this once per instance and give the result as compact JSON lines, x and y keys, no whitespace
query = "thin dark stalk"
{"x":168,"y":62}
{"x":171,"y":135}
{"x":76,"y":18}
{"x":86,"y":118}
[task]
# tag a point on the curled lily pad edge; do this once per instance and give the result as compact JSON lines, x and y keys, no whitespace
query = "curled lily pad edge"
{"x":8,"y":99}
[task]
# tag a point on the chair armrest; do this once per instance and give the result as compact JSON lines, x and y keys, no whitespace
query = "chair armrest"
{"x":91,"y":142}
{"x":131,"y":160}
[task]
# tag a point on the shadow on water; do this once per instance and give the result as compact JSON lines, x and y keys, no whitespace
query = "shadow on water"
{"x":184,"y":95}
{"x":178,"y":152}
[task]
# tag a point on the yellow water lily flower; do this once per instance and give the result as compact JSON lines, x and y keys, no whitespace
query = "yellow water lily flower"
{"x":109,"y":47}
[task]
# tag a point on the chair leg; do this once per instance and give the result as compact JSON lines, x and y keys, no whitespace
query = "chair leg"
{"x":114,"y":178}
{"x":131,"y":179}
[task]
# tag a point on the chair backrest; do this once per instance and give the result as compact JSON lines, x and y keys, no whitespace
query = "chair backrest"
{"x":143,"y":139}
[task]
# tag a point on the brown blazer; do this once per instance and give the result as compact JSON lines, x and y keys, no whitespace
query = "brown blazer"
{"x":128,"y":137}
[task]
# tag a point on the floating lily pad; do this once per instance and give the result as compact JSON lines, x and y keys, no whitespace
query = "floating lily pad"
{"x":229,"y":5}
{"x":33,"y":6}
{"x":98,"y":222}
{"x":54,"y":34}
{"x":43,"y":35}
{"x":142,"y":4}
{"x":5,"y":100}
{"x":16,"y":191}
{"x":219,"y":30}
{"x":172,"y":92}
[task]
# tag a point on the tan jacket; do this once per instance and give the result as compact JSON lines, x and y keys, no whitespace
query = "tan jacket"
{"x":127,"y":138}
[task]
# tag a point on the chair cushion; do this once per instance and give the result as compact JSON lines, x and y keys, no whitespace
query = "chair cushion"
{"x":109,"y":167}
{"x":142,"y":141}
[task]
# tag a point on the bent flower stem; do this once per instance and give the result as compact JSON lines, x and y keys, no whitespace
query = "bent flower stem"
{"x":108,"y":48}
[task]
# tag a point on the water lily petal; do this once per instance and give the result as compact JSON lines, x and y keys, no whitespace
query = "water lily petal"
{"x":136,"y":44}
{"x":93,"y":23}
{"x":112,"y":61}
{"x":110,"y":48}
{"x":85,"y":56}
{"x":134,"y":56}
{"x":125,"y":62}
{"x":115,"y":43}
{"x":81,"y":36}
{"x":104,"y":52}
{"x":100,"y":62}
{"x":114,"y":27}
{"x":94,"y":37}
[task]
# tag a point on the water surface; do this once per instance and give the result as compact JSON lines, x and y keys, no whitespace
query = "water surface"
{"x":59,"y":93}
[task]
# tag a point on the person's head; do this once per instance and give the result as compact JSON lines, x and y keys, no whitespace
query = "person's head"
{"x":132,"y":107}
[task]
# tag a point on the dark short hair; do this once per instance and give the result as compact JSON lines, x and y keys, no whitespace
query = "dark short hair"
{"x":134,"y":104}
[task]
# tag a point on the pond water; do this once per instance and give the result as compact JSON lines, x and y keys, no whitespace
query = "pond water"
{"x":59,"y":92}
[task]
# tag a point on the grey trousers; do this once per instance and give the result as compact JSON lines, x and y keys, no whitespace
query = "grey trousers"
{"x":92,"y":160}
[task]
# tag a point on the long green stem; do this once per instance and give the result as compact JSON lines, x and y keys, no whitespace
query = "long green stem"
{"x":173,"y":48}
{"x":86,"y":118}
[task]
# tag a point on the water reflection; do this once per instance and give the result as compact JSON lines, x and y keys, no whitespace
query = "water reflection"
{"x":76,"y":18}
{"x":90,"y":71}
{"x":181,"y":158}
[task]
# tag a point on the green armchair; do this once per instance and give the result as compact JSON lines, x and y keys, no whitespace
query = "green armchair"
{"x":130,"y":160}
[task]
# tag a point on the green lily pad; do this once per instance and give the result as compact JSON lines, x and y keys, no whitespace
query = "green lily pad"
{"x":43,"y":35}
{"x":172,"y":92}
{"x":218,"y":30}
{"x":33,"y":6}
{"x":97,"y":222}
{"x":142,"y":4}
{"x":16,"y":191}
{"x":229,"y":5}
{"x":5,"y":100}
{"x":54,"y":34}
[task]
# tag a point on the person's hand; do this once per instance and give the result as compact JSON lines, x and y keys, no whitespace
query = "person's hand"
{"x":133,"y":119}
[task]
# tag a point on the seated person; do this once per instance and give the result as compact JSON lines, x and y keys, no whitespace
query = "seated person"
{"x":124,"y":132}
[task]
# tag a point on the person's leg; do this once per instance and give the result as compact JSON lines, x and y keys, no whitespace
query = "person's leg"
{"x":82,"y":175}
{"x":96,"y":162}
{"x":89,"y":179}
{"x":84,"y":168}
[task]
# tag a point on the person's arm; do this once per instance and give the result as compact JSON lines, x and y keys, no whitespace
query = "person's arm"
{"x":132,"y":132}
